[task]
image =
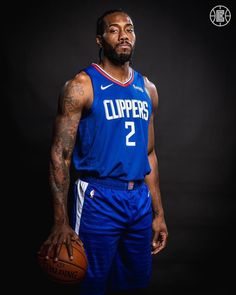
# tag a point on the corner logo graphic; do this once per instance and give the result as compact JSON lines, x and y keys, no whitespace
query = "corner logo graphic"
{"x":220,"y":15}
{"x":105,"y":87}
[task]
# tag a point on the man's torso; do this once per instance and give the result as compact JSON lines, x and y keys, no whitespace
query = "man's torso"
{"x":112,"y":136}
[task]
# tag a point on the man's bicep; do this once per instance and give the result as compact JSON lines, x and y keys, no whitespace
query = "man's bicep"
{"x":71,"y":99}
{"x":74,"y":98}
{"x":70,"y":107}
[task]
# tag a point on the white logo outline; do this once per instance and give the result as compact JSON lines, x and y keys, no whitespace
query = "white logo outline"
{"x":220,"y":15}
{"x":107,"y":86}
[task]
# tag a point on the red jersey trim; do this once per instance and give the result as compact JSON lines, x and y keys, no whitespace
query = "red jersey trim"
{"x":109,"y":77}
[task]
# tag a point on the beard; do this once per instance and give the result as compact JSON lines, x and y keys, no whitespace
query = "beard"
{"x":114,"y":57}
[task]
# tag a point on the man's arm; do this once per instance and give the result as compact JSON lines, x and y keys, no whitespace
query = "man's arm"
{"x":76,"y":96}
{"x":152,"y":179}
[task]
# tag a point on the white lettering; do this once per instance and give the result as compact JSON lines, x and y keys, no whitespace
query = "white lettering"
{"x":130,"y":134}
{"x":140,"y":107}
{"x":126,"y":108}
{"x":115,"y":116}
{"x":135,"y":109}
{"x":105,"y":103}
{"x":122,"y":106}
{"x":145,"y":110}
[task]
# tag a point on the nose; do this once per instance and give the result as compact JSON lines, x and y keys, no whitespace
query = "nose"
{"x":123,"y":36}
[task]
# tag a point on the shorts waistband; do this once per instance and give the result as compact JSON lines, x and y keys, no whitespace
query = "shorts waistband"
{"x":113,"y":182}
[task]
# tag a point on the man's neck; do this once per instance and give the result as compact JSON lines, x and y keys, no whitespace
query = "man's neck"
{"x":119,"y":72}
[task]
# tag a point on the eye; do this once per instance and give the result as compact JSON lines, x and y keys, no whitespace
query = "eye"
{"x":130,"y":30}
{"x":113,"y":30}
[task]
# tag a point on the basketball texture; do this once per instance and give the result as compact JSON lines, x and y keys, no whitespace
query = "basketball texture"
{"x":64,"y":270}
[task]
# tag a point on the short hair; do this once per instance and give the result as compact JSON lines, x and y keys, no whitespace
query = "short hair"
{"x":100,"y":20}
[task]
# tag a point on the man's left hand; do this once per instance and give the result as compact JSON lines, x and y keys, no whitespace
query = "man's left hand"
{"x":160,"y":234}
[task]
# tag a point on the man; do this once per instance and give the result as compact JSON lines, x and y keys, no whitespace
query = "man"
{"x":105,"y":121}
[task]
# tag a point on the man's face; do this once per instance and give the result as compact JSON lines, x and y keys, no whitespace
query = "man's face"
{"x":118,"y":39}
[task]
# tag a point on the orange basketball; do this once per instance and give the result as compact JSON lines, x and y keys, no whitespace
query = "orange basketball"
{"x":64,"y":270}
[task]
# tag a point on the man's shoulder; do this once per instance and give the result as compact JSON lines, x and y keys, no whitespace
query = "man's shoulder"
{"x":149,"y":84}
{"x":79,"y":78}
{"x":151,"y":89}
{"x":145,"y":78}
{"x":79,"y":86}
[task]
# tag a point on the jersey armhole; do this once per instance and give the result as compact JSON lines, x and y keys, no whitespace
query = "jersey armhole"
{"x":146,"y":90}
{"x":94,"y":102}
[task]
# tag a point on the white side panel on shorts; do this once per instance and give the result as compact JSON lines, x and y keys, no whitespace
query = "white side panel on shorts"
{"x":81,"y":188}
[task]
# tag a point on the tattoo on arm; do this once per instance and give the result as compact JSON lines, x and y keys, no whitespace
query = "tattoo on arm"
{"x":65,"y":129}
{"x":67,"y":101}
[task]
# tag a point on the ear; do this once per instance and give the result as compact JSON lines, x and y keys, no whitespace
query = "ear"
{"x":99,"y":40}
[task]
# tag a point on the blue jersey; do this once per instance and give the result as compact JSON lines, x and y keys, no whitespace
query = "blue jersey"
{"x":112,"y":137}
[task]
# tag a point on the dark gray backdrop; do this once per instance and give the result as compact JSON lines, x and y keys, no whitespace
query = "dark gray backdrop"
{"x":191,"y":62}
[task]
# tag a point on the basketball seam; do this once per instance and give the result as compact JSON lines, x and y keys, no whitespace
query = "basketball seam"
{"x":68,"y":262}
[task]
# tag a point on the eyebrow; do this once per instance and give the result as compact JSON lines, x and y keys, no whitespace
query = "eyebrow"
{"x":115,"y":24}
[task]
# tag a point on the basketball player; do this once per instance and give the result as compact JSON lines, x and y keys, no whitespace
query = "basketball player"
{"x":105,"y":125}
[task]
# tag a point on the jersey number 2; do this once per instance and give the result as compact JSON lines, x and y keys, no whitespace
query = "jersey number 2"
{"x":131,"y":126}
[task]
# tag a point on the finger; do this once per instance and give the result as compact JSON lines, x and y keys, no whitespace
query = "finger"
{"x":164,"y":239}
{"x":69,"y":247}
{"x":155,"y":242}
{"x":154,"y":248}
{"x":57,"y":250}
{"x":49,"y":250}
{"x":162,"y":243}
{"x":78,"y":241}
{"x":155,"y":239}
{"x":155,"y":251}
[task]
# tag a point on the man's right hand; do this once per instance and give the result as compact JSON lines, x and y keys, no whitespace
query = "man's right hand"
{"x":60,"y":234}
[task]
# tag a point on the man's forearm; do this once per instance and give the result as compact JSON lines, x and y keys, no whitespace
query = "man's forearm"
{"x":59,"y":170}
{"x":59,"y":181}
{"x":152,"y":180}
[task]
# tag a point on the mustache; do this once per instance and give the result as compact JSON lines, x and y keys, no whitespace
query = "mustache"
{"x":124,"y":43}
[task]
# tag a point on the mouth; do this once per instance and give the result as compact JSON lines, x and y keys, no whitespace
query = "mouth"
{"x":124,"y":45}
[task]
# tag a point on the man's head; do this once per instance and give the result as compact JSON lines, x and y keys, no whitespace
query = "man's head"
{"x":115,"y":36}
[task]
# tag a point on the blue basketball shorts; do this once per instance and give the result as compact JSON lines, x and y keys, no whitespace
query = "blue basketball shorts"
{"x":114,"y":221}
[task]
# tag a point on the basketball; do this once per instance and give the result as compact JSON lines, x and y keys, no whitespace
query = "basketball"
{"x":64,"y":270}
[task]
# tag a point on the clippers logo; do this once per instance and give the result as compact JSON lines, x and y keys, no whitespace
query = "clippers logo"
{"x":220,"y":15}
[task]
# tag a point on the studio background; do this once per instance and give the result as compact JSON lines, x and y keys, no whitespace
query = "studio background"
{"x":191,"y":61}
